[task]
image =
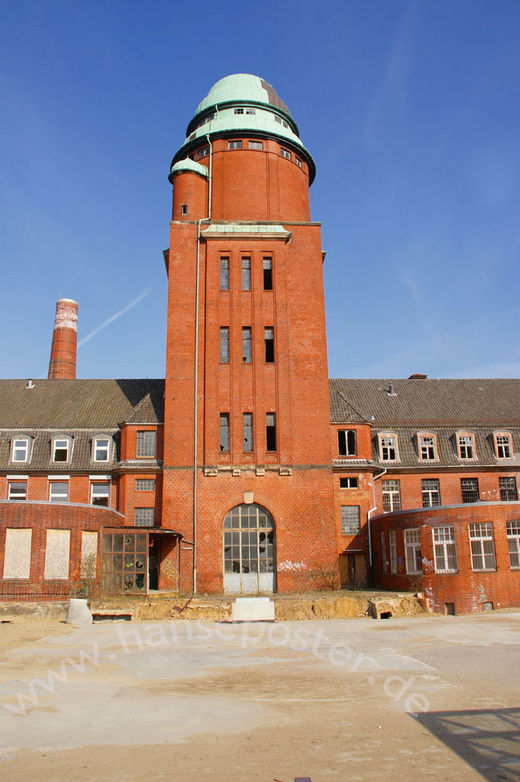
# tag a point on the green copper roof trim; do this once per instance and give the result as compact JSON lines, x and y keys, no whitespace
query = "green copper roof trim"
{"x":189,"y":165}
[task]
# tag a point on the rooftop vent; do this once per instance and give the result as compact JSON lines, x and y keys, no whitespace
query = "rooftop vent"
{"x":29,"y":385}
{"x":417,"y":376}
{"x":390,"y":390}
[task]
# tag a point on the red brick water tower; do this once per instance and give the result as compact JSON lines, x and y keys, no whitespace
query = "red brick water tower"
{"x":247,"y":467}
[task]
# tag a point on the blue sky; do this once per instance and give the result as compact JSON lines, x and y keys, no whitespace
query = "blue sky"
{"x":410,"y":109}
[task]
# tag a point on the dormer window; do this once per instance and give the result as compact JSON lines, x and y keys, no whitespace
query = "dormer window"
{"x":427,"y":446}
{"x":101,"y":449}
{"x":20,"y":449}
{"x":503,"y":445}
{"x":466,"y":445}
{"x":145,"y":446}
{"x":388,"y":447}
{"x":61,"y":449}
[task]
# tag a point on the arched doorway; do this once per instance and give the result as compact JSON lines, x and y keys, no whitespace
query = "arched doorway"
{"x":249,"y":550}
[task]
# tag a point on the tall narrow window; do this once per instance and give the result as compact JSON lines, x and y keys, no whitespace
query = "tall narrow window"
{"x":513,"y":538}
{"x":482,"y":546}
{"x":224,"y":273}
{"x":412,"y":548}
{"x":392,"y":544}
{"x":268,"y":274}
{"x":224,"y":344}
{"x":224,"y":432}
{"x":383,"y":554}
{"x":269,"y":345}
{"x":247,"y":351}
{"x":391,"y":496}
{"x":431,"y":494}
{"x":246,"y":273}
{"x":248,"y":432}
{"x":270,"y":431}
{"x":508,"y":490}
{"x":445,"y":549}
{"x":347,"y":442}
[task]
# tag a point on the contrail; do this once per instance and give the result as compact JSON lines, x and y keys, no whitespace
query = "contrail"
{"x":115,"y":316}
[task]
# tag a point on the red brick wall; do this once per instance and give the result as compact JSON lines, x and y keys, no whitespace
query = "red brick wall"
{"x":449,"y":482}
{"x":40,"y":517}
{"x":466,"y":588}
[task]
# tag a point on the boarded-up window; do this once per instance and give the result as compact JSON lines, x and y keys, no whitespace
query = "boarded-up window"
{"x":57,"y":554}
{"x":17,"y":560}
{"x":89,"y":544}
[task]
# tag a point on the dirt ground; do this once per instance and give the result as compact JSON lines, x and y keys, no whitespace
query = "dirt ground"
{"x":399,"y":699}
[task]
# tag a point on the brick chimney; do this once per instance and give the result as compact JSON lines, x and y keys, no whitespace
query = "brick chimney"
{"x":62,"y":365}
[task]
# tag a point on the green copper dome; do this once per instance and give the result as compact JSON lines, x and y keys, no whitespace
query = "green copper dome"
{"x":243,"y":105}
{"x":242,"y":87}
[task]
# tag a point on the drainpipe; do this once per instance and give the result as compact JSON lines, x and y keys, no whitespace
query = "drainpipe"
{"x":379,"y":475}
{"x":196,"y":372}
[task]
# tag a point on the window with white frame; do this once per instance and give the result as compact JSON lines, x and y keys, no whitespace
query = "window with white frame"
{"x":503,"y":445}
{"x":482,"y":546}
{"x":383,"y":554}
{"x":466,"y":445}
{"x":445,"y":549}
{"x":101,"y":449}
{"x":144,"y":517}
{"x":58,"y":491}
{"x":234,"y":145}
{"x":100,"y":493}
{"x":61,"y":449}
{"x":392,"y":546}
{"x":391,"y":496}
{"x":17,"y":490}
{"x":256,"y":145}
{"x":388,"y":447}
{"x":427,"y":447}
{"x":412,"y":550}
{"x":285,"y":153}
{"x":145,"y":484}
{"x":350,"y":519}
{"x":431,"y":494}
{"x":145,"y":445}
{"x":348,"y":483}
{"x":20,"y":449}
{"x":513,"y":539}
{"x":508,"y":489}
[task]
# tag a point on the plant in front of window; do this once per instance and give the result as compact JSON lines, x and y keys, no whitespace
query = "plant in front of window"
{"x":88,"y":586}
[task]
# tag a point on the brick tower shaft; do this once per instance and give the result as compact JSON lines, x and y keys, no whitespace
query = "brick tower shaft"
{"x":62,"y":364}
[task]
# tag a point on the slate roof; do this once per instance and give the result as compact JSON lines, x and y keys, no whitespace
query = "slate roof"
{"x":79,"y":408}
{"x":430,"y":402}
{"x":79,"y":404}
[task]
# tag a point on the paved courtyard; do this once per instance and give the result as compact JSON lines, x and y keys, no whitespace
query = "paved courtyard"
{"x":399,"y":699}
